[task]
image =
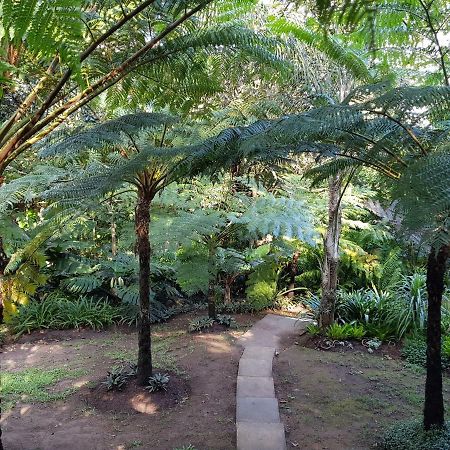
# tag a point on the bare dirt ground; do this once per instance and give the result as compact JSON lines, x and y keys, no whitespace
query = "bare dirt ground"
{"x":199,"y":411}
{"x":341,"y":399}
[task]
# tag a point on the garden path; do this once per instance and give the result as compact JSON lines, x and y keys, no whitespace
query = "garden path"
{"x":258,"y":423}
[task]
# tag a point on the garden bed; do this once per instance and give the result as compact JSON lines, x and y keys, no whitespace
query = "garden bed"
{"x":343,"y":399}
{"x":199,"y":408}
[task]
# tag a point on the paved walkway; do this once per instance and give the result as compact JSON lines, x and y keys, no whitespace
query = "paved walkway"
{"x":258,"y":421}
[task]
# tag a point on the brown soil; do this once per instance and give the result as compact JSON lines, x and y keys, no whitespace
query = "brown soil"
{"x":198,"y":410}
{"x":133,"y":399}
{"x":342,"y":400}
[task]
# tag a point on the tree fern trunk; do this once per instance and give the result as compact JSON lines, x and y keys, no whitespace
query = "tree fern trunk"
{"x":293,"y":269}
{"x":227,"y":289}
{"x":331,"y":253}
{"x":142,"y":222}
{"x":434,"y":403}
{"x":212,"y":282}
{"x":3,"y":264}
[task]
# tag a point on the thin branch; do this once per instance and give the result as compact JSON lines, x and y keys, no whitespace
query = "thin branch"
{"x":397,"y":158}
{"x":408,"y":130}
{"x":436,"y":41}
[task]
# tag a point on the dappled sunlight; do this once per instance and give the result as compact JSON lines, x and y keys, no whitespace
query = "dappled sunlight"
{"x":24,"y":410}
{"x":80,"y":383}
{"x":216,"y":344}
{"x":141,"y":403}
{"x":24,"y":355}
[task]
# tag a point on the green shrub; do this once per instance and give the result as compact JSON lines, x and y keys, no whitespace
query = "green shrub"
{"x":238,"y":307}
{"x":446,"y":347}
{"x":412,"y":436}
{"x":415,"y":350}
{"x":345,"y":331}
{"x":226,"y":320}
{"x":59,"y":312}
{"x":262,"y":285}
{"x":383,"y":332}
{"x":314,"y":329}
{"x":200,"y":324}
{"x":360,"y":306}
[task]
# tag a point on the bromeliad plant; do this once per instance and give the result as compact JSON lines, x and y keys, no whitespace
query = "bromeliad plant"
{"x":158,"y":382}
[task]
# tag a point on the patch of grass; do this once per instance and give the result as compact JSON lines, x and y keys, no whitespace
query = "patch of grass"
{"x":29,"y":385}
{"x":122,"y":354}
{"x":161,"y":352}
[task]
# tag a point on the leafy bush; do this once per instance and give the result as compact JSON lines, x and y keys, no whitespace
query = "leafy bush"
{"x":158,"y":382}
{"x":408,"y":312}
{"x":200,"y":324}
{"x":383,"y":332}
{"x":412,"y":436}
{"x":446,"y":347}
{"x":116,"y":379}
{"x":415,"y":351}
{"x":346,"y":331}
{"x":365,"y":306}
{"x":262,"y":285}
{"x":238,"y":307}
{"x":226,"y":320}
{"x":59,"y":313}
{"x":314,"y":329}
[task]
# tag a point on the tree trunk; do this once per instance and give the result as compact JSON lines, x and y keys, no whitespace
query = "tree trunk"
{"x":433,"y":414}
{"x":212,"y":282}
{"x":3,"y":264}
{"x":142,"y":221}
{"x":293,"y":269}
{"x":113,"y":238}
{"x":331,"y":253}
{"x":227,"y":289}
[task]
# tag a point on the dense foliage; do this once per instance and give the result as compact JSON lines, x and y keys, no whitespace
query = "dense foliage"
{"x":145,"y":174}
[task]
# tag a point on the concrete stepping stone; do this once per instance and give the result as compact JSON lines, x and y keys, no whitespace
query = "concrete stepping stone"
{"x":260,"y":338}
{"x":258,"y":352}
{"x":257,"y":410}
{"x":249,"y":367}
{"x":258,"y":424}
{"x":254,"y":436}
{"x":255,"y":387}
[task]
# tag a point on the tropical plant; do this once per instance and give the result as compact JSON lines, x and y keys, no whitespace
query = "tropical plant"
{"x":115,"y":379}
{"x":158,"y":382}
{"x":345,"y":331}
{"x":226,"y":320}
{"x":385,"y":131}
{"x":200,"y":324}
{"x":314,"y":329}
{"x":59,"y":312}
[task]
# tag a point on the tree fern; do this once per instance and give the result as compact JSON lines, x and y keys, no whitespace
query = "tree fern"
{"x":45,"y":28}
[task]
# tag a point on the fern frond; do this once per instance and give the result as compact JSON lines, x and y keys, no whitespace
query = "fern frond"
{"x":81,"y":284}
{"x":109,"y":133}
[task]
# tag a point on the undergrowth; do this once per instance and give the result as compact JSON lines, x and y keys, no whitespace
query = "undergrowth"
{"x":412,"y":436}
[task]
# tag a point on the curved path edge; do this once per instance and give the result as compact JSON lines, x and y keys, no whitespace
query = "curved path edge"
{"x":258,"y":423}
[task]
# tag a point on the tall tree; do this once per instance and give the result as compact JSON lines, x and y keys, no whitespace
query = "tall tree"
{"x":402,"y":134}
